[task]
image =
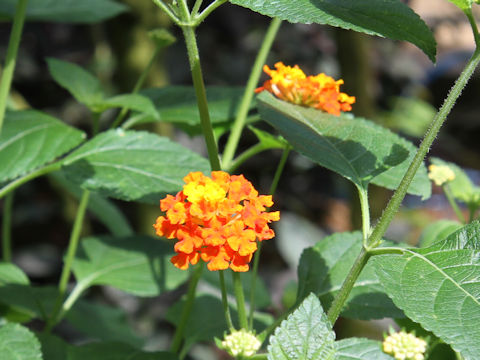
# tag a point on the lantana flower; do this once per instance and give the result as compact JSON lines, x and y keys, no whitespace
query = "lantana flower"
{"x":440,"y":174}
{"x":404,"y":346}
{"x":320,"y":91}
{"x":217,"y":219}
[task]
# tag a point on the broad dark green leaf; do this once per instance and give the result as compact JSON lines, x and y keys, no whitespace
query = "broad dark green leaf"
{"x":437,"y":231}
{"x":208,"y":321}
{"x":12,"y":275}
{"x":30,"y":139}
{"x":110,"y":323}
{"x":27,"y":301}
{"x":132,"y":165}
{"x":138,"y":265}
{"x":360,"y":349}
{"x":305,"y":334}
{"x":355,"y":148}
{"x":104,"y":209}
{"x":18,"y":343}
{"x":65,"y":11}
{"x":323,"y":269}
{"x":386,"y":18}
{"x":439,"y":287}
{"x":54,"y":348}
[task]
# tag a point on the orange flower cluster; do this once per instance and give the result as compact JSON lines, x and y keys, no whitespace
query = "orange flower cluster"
{"x":217,"y":219}
{"x":321,"y":91}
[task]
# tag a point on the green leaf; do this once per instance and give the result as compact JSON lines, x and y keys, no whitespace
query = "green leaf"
{"x":65,"y":11}
{"x":323,"y":269}
{"x":12,"y":274}
{"x":132,"y":165}
{"x":136,"y":102}
{"x":437,"y":231}
{"x":355,"y":148}
{"x":30,"y":139}
{"x":104,"y":209}
{"x":28,"y":301}
{"x":463,"y":4}
{"x":137,"y":265}
{"x":18,"y":343}
{"x":80,"y":83}
{"x":110,"y":323}
{"x":386,"y":18}
{"x":305,"y":334}
{"x":54,"y":348}
{"x":360,"y":349}
{"x":439,"y":287}
{"x":268,"y":140}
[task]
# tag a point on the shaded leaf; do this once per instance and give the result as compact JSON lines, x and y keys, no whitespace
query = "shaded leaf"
{"x":28,"y":301}
{"x":70,"y":11}
{"x":132,"y":165}
{"x":437,"y":231}
{"x":355,"y":148}
{"x":324,"y":267}
{"x":305,"y":334}
{"x":268,"y":140}
{"x":12,"y":274}
{"x":30,"y":139}
{"x":18,"y":343}
{"x":138,"y":265}
{"x":129,"y":101}
{"x":360,"y":349}
{"x":439,"y":287}
{"x":386,"y":18}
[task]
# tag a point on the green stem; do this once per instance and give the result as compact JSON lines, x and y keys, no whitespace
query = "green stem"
{"x":196,"y":7}
{"x":238,"y":289}
{"x":365,"y":209}
{"x":121,"y":115}
{"x":71,"y":299}
{"x":432,"y":132}
{"x":347,"y":286}
{"x":187,"y":308}
{"x":208,"y":10}
{"x":279,"y":171}
{"x":198,"y":84}
{"x":453,"y":203}
{"x":70,"y":256}
{"x":226,"y":308}
{"x":7,"y":228}
{"x":473,"y":24}
{"x":167,"y":11}
{"x":244,"y":107}
{"x":386,"y":250}
{"x":244,"y":156}
{"x":20,"y":181}
{"x":11,"y":58}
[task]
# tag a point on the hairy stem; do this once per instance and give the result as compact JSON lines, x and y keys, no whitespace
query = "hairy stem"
{"x":11,"y":58}
{"x":226,"y":309}
{"x":453,"y":203}
{"x":7,"y":228}
{"x":238,"y":289}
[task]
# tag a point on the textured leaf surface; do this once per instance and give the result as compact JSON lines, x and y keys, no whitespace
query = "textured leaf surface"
{"x":18,"y":343}
{"x":355,"y":148}
{"x":71,"y":11}
{"x":388,"y":18}
{"x":360,"y":349}
{"x":323,"y":269}
{"x":439,"y":287}
{"x":305,"y":334}
{"x":132,"y":165}
{"x":30,"y":139}
{"x":437,"y":231}
{"x":54,"y":348}
{"x":137,"y":265}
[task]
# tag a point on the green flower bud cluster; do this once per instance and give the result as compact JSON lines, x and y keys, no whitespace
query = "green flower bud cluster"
{"x":404,"y":346}
{"x":241,"y":343}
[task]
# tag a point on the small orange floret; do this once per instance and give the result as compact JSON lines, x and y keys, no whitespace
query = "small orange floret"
{"x":218,"y":219}
{"x":321,"y":91}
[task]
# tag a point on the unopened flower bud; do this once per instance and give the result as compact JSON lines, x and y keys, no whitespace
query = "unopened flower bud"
{"x":404,"y":346}
{"x":241,"y":343}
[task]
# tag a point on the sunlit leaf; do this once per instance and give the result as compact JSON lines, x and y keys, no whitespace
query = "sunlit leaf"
{"x":18,"y":343}
{"x":360,"y":349}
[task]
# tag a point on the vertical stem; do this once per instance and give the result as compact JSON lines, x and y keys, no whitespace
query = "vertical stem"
{"x":238,"y":289}
{"x":7,"y":228}
{"x":344,"y":292}
{"x":10,"y":60}
{"x":239,"y":123}
{"x":187,"y":308}
{"x":71,"y":251}
{"x":453,"y":203}
{"x":226,"y":309}
{"x":365,"y":208}
{"x":198,"y":84}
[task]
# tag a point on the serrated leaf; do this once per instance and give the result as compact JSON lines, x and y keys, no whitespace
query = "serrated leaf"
{"x":355,"y":148}
{"x":138,"y":265}
{"x":386,"y":18}
{"x":439,"y":287}
{"x":105,"y":210}
{"x":65,"y":11}
{"x":324,"y":267}
{"x":360,"y":349}
{"x":437,"y":231}
{"x":55,"y":348}
{"x":132,"y":165}
{"x":305,"y":334}
{"x":18,"y":343}
{"x":30,"y":139}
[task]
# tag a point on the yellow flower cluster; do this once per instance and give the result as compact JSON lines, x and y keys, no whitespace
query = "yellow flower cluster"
{"x":404,"y":346}
{"x":440,"y":174}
